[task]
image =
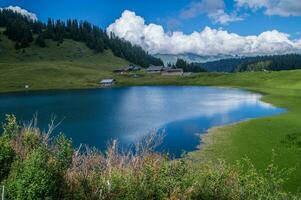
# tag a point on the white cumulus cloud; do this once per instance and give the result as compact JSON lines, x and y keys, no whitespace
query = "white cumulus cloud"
{"x":274,"y":7}
{"x":23,"y":12}
{"x":154,"y":39}
{"x":214,"y":9}
{"x":219,"y":16}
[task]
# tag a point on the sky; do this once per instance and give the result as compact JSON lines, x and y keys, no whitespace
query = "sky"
{"x":203,"y":27}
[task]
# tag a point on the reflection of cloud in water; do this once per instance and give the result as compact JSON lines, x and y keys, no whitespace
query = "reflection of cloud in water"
{"x":156,"y":107}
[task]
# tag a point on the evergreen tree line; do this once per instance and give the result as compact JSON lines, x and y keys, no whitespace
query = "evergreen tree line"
{"x":19,"y":28}
{"x":187,"y":67}
{"x":258,"y":63}
{"x":24,"y":31}
{"x":273,"y":63}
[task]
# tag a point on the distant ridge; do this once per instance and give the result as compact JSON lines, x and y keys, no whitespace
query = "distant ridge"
{"x":190,"y":58}
{"x":230,"y":63}
{"x":258,"y":63}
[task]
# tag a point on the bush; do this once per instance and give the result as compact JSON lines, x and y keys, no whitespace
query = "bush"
{"x":31,"y":139}
{"x":221,"y":181}
{"x":34,"y":178}
{"x":7,"y":156}
{"x":63,"y":151}
{"x":10,"y":127}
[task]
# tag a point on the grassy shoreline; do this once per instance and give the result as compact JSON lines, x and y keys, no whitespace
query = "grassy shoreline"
{"x":256,"y":139}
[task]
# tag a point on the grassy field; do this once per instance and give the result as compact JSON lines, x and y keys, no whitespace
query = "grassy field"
{"x":72,"y":65}
{"x":69,"y":65}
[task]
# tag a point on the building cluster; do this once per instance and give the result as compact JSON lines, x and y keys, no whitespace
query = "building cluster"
{"x":164,"y":70}
{"x":127,"y":69}
{"x":151,"y":70}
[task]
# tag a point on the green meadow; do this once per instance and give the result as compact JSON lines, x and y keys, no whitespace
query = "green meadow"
{"x":67,"y":66}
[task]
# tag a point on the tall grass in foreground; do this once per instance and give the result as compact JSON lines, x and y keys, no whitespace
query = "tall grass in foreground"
{"x":35,"y":165}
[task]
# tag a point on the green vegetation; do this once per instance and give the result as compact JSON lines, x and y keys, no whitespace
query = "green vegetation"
{"x":187,"y":67}
{"x":69,"y":65}
{"x":37,"y":167}
{"x":256,"y":66}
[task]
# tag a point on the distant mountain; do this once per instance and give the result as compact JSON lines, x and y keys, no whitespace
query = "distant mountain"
{"x":190,"y":58}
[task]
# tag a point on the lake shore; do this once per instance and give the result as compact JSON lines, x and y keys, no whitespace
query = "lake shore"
{"x":258,"y":139}
{"x":255,"y":139}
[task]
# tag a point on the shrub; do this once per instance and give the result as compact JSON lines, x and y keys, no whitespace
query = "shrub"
{"x":242,"y":181}
{"x":34,"y":178}
{"x":31,"y":139}
{"x":63,"y":151}
{"x":7,"y":156}
{"x":10,"y":127}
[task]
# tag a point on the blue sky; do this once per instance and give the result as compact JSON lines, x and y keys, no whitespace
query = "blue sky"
{"x":166,"y":13}
{"x":242,"y":17}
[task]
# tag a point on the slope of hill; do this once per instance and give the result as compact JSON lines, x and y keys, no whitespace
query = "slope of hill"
{"x":69,"y":65}
{"x":23,"y":31}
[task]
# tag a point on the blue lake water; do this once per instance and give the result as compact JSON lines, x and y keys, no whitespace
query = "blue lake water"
{"x":96,"y":116}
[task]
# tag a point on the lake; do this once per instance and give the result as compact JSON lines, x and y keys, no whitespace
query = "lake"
{"x":96,"y":116}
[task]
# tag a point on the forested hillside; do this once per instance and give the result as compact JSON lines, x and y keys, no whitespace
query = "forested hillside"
{"x":187,"y":67}
{"x":24,"y":32}
{"x":258,"y":63}
{"x":274,"y":63}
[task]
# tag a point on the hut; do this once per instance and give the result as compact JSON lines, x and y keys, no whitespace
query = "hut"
{"x":126,"y":69}
{"x":169,"y":71}
{"x":107,"y":82}
{"x":154,"y":69}
{"x":119,"y":71}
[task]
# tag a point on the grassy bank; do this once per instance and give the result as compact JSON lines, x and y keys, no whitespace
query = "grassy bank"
{"x":67,"y":66}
